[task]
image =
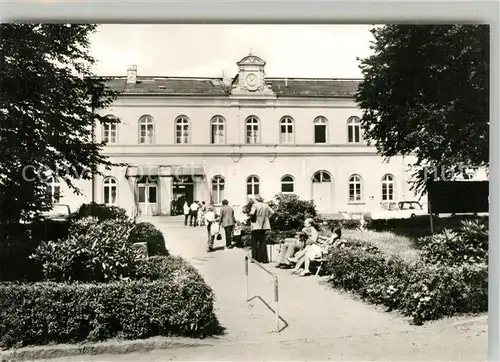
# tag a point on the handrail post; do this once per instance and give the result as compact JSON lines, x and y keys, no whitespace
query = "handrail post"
{"x":246,"y":273}
{"x":276,"y":304}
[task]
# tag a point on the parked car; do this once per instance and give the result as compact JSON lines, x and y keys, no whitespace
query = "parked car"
{"x":399,"y":210}
{"x":59,"y":212}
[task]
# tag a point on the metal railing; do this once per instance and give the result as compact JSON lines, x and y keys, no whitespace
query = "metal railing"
{"x":276,"y":297}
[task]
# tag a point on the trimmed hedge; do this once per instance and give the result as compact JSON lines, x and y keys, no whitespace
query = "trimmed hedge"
{"x":339,"y":223}
{"x":420,"y":290}
{"x":172,"y":299}
{"x":146,"y":232}
{"x":421,"y":222}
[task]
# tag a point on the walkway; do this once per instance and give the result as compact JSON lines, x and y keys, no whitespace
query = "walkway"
{"x":315,"y":313}
{"x":324,"y":324}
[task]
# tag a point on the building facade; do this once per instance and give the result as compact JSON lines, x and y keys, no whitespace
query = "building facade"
{"x":208,"y":139}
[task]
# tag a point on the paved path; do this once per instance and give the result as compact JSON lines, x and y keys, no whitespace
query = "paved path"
{"x":323,"y":324}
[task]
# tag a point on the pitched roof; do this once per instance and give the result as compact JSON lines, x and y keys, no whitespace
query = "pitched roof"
{"x":282,"y":87}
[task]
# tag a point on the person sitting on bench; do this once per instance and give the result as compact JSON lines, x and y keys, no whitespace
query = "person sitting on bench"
{"x":291,"y":246}
{"x":313,"y":252}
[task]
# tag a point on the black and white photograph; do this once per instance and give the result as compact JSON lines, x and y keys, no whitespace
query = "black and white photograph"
{"x":244,"y":192}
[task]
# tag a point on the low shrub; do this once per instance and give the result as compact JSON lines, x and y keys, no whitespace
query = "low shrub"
{"x":101,"y":212}
{"x":290,"y":212}
{"x":95,"y":252}
{"x":173,"y":301}
{"x":146,"y":232}
{"x":468,"y":245}
{"x":417,"y":289}
{"x":338,"y":223}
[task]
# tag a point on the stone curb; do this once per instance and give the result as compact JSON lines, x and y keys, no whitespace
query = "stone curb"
{"x":108,"y":347}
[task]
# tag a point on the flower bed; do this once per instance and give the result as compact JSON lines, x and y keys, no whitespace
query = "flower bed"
{"x":417,"y":286}
{"x":169,"y":299}
{"x":420,"y":290}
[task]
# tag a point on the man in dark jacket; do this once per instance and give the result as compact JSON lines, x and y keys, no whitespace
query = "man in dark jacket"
{"x":227,"y":221}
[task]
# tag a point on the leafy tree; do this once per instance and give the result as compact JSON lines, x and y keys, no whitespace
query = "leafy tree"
{"x":425,"y":92}
{"x":49,"y":105}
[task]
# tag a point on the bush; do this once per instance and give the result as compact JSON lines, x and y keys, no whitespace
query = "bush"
{"x":469,"y":245}
{"x":417,"y":289}
{"x":146,"y":232}
{"x":338,"y":223}
{"x":101,"y":212}
{"x":290,"y":212}
{"x":174,"y":302}
{"x":96,"y":252}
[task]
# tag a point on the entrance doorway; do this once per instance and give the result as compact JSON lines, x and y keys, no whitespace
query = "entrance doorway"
{"x":147,"y":195}
{"x":182,"y":190}
{"x":322,"y":191}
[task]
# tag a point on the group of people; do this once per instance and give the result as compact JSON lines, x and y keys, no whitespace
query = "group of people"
{"x":194,"y":213}
{"x":307,"y":246}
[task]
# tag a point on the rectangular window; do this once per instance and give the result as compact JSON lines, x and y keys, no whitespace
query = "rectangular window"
{"x":217,"y":194}
{"x":286,"y":134}
{"x":320,"y":133}
{"x":353,"y":133}
{"x":354,"y":192}
{"x":252,"y":135}
{"x":287,"y":187}
{"x":142,"y":194}
{"x":152,"y":194}
{"x":182,"y":135}
{"x":217,"y":134}
{"x":387,"y":192}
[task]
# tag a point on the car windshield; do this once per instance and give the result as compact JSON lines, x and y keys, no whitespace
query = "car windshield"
{"x":405,"y":205}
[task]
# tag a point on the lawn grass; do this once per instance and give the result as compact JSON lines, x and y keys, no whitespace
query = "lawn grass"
{"x":387,"y":242}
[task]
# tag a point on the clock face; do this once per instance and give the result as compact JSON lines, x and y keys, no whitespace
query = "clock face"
{"x":251,"y":80}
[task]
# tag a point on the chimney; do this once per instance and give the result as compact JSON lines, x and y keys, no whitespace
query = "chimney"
{"x":132,"y":74}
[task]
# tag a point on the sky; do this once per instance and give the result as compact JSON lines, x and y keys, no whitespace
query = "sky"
{"x":322,"y":51}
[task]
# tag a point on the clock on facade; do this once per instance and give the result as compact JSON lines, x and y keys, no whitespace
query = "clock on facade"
{"x":251,"y":81}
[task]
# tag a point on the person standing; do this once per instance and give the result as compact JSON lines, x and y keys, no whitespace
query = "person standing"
{"x":210,"y":218}
{"x":194,"y":213}
{"x":260,"y":224}
{"x":227,"y":221}
{"x":187,"y":210}
{"x":202,"y":211}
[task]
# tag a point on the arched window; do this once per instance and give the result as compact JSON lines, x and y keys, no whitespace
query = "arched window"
{"x":286,"y":130}
{"x":354,"y":130}
{"x":218,"y":185}
{"x":321,"y":176}
{"x":253,"y":186}
{"x":355,"y":188}
{"x":54,"y":189}
{"x":146,"y":130}
{"x":287,"y":184}
{"x":217,"y":130}
{"x":252,"y":130}
{"x":182,"y":130}
{"x":110,"y":191}
{"x":387,"y":188}
{"x":320,"y":129}
{"x":110,"y":131}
